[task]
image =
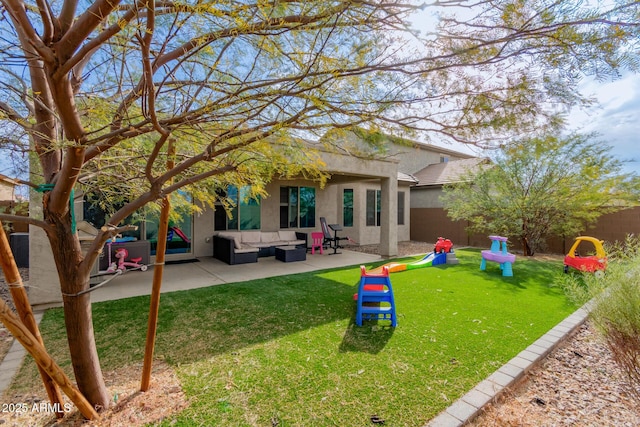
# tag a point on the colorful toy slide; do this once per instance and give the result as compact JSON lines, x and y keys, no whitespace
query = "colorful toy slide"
{"x":432,"y":258}
{"x":179,"y":233}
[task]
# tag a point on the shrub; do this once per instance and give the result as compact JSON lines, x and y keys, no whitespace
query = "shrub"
{"x":615,"y":305}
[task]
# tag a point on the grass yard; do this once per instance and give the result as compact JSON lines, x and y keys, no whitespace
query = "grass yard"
{"x":285,"y":351}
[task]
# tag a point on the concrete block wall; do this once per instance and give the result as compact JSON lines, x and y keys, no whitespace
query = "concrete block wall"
{"x":427,"y":224}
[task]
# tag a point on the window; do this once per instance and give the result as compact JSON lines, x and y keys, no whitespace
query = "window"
{"x":147,"y":219}
{"x":297,"y":207}
{"x":244,"y":214}
{"x":98,"y":215}
{"x":373,"y":207}
{"x":249,"y":208}
{"x":400,"y":207}
{"x":347,"y":208}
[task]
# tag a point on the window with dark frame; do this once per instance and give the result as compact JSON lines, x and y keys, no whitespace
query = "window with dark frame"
{"x":400,"y":207}
{"x":297,"y":207}
{"x":347,"y":207}
{"x":245,"y":214}
{"x":373,"y":211}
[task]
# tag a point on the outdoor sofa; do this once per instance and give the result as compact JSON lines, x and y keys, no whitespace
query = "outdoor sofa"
{"x":241,"y":247}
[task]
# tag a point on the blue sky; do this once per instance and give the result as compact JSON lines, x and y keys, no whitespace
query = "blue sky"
{"x":616,"y":118}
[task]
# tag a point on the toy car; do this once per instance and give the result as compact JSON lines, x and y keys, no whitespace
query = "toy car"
{"x":590,"y":264}
{"x":442,"y":245}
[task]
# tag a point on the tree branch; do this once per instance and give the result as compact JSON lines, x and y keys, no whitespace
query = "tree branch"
{"x":83,"y":25}
{"x":25,"y":220}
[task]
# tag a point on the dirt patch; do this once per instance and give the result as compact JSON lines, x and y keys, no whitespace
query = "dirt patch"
{"x":131,"y":407}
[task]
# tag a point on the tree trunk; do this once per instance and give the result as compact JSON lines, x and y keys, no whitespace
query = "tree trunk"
{"x":526,"y":249}
{"x":77,"y":310}
{"x":84,"y":355}
{"x":32,"y":344}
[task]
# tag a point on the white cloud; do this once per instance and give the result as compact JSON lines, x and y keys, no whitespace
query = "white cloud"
{"x":616,"y":118}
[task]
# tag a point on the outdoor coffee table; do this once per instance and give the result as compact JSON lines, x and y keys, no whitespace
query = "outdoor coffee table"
{"x":290,"y":253}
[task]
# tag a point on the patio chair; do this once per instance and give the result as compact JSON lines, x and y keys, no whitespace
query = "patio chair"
{"x":331,"y":241}
{"x":317,"y":239}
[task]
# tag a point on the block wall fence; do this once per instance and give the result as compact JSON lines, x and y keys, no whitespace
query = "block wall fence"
{"x":427,"y":224}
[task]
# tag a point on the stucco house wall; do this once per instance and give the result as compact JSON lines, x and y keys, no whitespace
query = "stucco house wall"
{"x":7,"y":189}
{"x":389,"y":173}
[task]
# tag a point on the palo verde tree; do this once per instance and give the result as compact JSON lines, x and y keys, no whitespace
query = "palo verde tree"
{"x":97,"y":91}
{"x":543,"y":186}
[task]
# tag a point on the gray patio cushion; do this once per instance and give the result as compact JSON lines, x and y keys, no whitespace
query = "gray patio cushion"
{"x":287,"y":235}
{"x":259,"y":244}
{"x":235,"y":235}
{"x":295,"y":242}
{"x":269,"y":237}
{"x":250,"y":236}
{"x":246,"y":249}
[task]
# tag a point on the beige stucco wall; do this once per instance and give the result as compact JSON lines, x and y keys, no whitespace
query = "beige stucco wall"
{"x":361,"y":232}
{"x":7,"y":191}
{"x":202,"y":233}
{"x":412,"y":159}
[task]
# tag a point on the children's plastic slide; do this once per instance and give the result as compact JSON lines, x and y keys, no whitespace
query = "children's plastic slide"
{"x":179,"y":232}
{"x":432,"y":258}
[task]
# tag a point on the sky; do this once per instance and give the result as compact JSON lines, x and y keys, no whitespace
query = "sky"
{"x":615,"y":118}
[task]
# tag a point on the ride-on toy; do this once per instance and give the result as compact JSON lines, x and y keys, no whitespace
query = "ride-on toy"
{"x":591,"y":263}
{"x":121,"y":255}
{"x":442,"y":246}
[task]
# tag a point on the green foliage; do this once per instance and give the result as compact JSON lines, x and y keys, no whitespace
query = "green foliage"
{"x":543,"y":186}
{"x":615,"y":304}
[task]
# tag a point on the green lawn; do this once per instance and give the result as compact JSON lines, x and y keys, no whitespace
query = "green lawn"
{"x":285,"y":350}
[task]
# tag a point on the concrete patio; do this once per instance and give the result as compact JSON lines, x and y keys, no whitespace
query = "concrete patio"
{"x":208,"y":271}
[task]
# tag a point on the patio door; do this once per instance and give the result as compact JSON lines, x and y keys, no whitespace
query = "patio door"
{"x":179,"y":234}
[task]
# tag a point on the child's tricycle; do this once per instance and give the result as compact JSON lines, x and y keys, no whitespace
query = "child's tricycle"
{"x":591,"y":263}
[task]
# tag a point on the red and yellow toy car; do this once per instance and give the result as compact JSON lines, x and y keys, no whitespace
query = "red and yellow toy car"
{"x":591,"y":263}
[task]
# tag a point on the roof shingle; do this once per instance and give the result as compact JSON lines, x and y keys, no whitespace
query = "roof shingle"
{"x":448,"y":172}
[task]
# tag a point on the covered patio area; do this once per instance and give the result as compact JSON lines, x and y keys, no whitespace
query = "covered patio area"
{"x":208,"y":271}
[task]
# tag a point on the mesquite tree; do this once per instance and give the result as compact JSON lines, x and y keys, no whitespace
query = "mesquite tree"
{"x":97,"y":90}
{"x":541,"y":187}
